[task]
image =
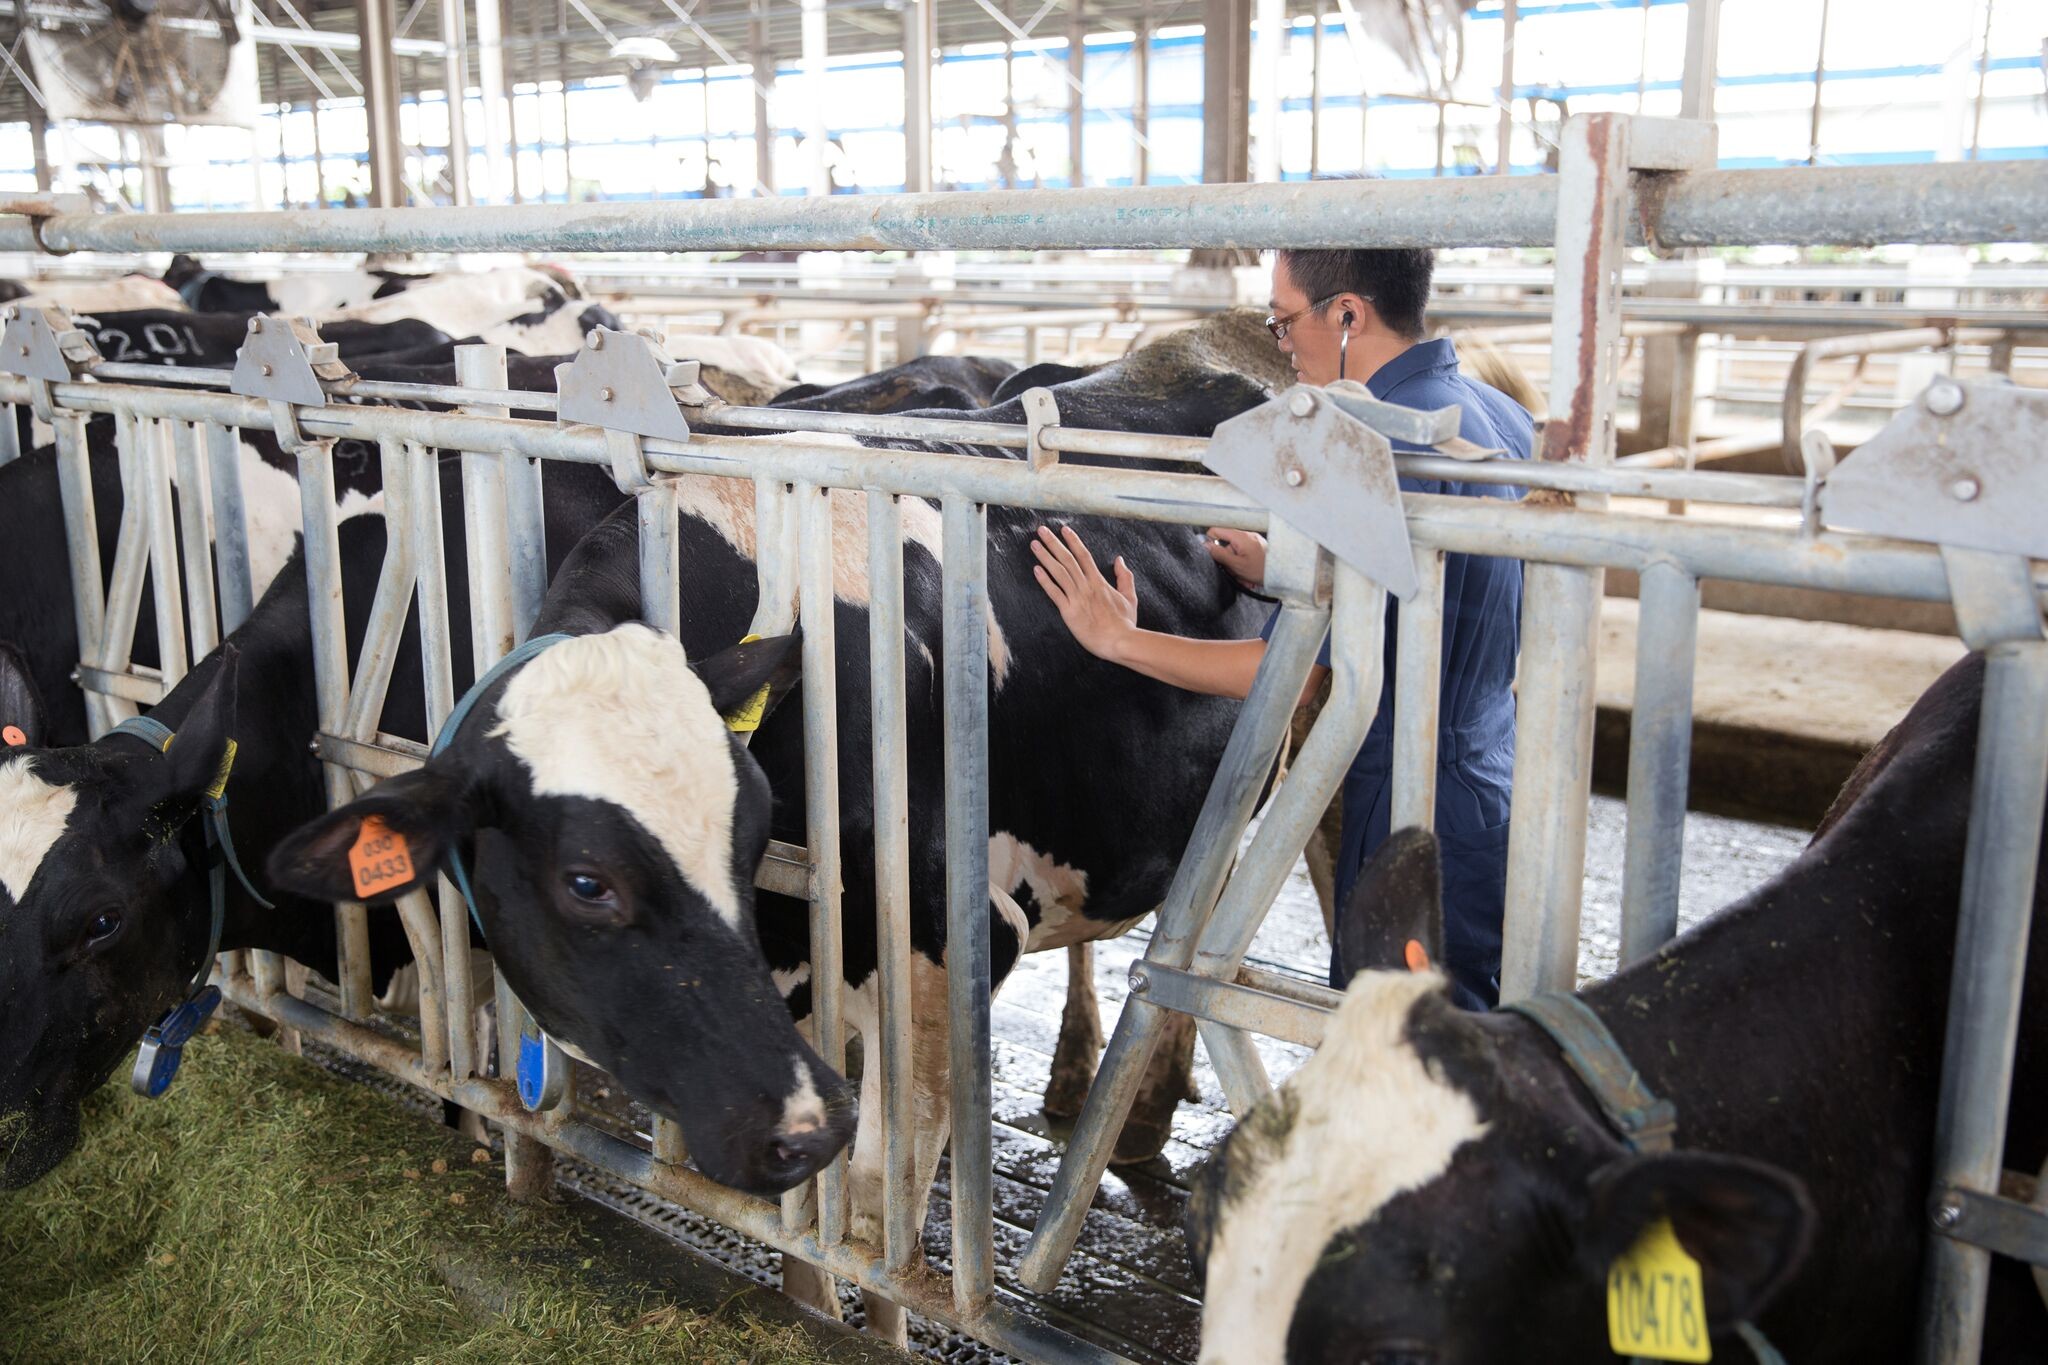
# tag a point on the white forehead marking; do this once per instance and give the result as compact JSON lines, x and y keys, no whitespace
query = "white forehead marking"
{"x":1369,"y":1122}
{"x":803,"y":1112}
{"x":32,"y":816}
{"x":620,"y":717}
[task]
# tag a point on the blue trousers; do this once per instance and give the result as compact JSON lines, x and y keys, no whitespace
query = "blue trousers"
{"x":1474,"y":848}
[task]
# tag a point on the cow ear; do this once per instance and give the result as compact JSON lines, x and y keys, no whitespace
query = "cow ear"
{"x":1395,"y":916}
{"x":22,"y":722}
{"x":381,"y":845}
{"x":736,"y":675}
{"x":1747,"y":1223}
{"x":198,"y":759}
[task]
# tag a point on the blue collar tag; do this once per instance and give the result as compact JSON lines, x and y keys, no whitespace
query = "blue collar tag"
{"x":543,"y":1072}
{"x":163,"y":1045}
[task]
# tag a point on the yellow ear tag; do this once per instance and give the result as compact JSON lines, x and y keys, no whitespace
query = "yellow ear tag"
{"x":747,"y":717}
{"x":1656,"y":1303}
{"x":220,"y":779}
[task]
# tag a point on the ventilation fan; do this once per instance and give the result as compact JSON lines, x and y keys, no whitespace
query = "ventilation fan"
{"x":146,"y":62}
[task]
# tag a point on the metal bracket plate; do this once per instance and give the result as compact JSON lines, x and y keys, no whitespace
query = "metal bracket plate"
{"x":1962,"y":466}
{"x":1328,"y":474}
{"x":284,"y":360}
{"x":41,"y":343}
{"x":624,"y":381}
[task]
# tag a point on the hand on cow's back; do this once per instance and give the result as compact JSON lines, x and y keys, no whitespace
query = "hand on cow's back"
{"x":1100,"y":614}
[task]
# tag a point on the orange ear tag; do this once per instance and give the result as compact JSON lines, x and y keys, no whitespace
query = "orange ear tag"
{"x":12,"y":736}
{"x":1416,"y":956}
{"x":380,"y":858}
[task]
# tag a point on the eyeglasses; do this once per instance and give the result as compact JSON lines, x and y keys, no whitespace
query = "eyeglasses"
{"x":1279,"y":326}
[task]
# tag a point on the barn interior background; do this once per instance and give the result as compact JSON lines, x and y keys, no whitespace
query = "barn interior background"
{"x":1746,"y":357}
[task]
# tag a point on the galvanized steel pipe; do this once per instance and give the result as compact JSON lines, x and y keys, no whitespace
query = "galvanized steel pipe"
{"x":1963,"y":203}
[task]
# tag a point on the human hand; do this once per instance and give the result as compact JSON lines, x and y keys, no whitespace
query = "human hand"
{"x":1100,"y":614}
{"x":1242,"y":553}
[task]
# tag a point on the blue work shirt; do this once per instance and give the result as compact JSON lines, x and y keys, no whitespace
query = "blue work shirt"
{"x":1476,"y":740}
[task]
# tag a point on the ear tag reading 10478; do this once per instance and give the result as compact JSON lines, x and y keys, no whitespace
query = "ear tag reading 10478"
{"x":747,"y":718}
{"x":380,"y":858}
{"x":1656,"y":1303}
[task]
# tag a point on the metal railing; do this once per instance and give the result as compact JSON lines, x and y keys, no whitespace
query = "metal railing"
{"x":1620,"y":178}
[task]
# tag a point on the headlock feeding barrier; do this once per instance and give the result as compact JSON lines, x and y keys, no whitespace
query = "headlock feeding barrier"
{"x":1944,"y":505}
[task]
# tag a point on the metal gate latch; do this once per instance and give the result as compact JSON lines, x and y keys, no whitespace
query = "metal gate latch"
{"x":623,"y":381}
{"x":42,"y":346}
{"x":284,"y":361}
{"x":1960,"y":468}
{"x":1329,"y":474}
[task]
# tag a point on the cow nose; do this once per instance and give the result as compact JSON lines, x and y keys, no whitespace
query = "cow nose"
{"x":794,"y":1157}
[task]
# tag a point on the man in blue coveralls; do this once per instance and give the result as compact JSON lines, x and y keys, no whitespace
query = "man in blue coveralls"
{"x":1358,"y":315}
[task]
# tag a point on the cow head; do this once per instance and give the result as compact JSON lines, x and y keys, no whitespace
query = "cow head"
{"x":611,"y":826}
{"x":1434,"y":1188}
{"x":100,"y":927}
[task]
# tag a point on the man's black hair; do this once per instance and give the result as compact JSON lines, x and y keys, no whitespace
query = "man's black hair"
{"x":1395,"y":280}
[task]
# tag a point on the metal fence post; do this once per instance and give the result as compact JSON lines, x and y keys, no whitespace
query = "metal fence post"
{"x":230,"y":525}
{"x":1659,"y":759}
{"x":964,"y":543}
{"x":1561,"y":605}
{"x":900,"y":1201}
{"x":82,"y":542}
{"x":2001,"y":860}
{"x":331,"y":683}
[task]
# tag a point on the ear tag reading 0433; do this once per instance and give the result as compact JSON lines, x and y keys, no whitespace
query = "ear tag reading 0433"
{"x":747,"y":718}
{"x":380,"y":858}
{"x":1656,"y":1303}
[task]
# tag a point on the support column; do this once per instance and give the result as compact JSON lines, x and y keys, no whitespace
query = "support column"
{"x":1820,"y":76}
{"x":1141,"y":104}
{"x":1077,"y":111}
{"x":1272,"y":49}
{"x":1226,"y":76}
{"x":917,"y":96}
{"x":1561,"y":603}
{"x":1702,"y":47}
{"x":490,"y":73}
{"x":319,"y":156}
{"x":818,"y":175}
{"x":1315,"y":95}
{"x":39,"y":146}
{"x":380,"y":104}
{"x":764,"y":85}
{"x":1504,"y":153}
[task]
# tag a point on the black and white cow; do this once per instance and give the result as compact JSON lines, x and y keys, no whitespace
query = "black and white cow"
{"x":65,"y":1059}
{"x":306,"y":294}
{"x":599,"y":803}
{"x":210,"y":340}
{"x":103,"y":884}
{"x":1437,"y":1186}
{"x":934,"y":381}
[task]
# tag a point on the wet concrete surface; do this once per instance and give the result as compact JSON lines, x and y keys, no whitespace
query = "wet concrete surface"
{"x":1129,"y":1286}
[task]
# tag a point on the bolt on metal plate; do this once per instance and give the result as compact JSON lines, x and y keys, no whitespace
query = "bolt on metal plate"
{"x":41,"y":343}
{"x":1961,"y":467}
{"x":1330,"y":475}
{"x":623,"y":381}
{"x":284,"y":360}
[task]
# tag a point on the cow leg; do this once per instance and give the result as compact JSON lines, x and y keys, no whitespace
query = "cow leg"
{"x":931,"y":1113}
{"x":1080,"y":1044}
{"x":1168,"y":1080}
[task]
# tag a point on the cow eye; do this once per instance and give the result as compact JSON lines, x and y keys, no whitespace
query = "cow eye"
{"x":104,"y":926}
{"x":589,"y":888}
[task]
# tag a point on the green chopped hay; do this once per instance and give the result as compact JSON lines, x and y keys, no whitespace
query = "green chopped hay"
{"x":265,"y":1210}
